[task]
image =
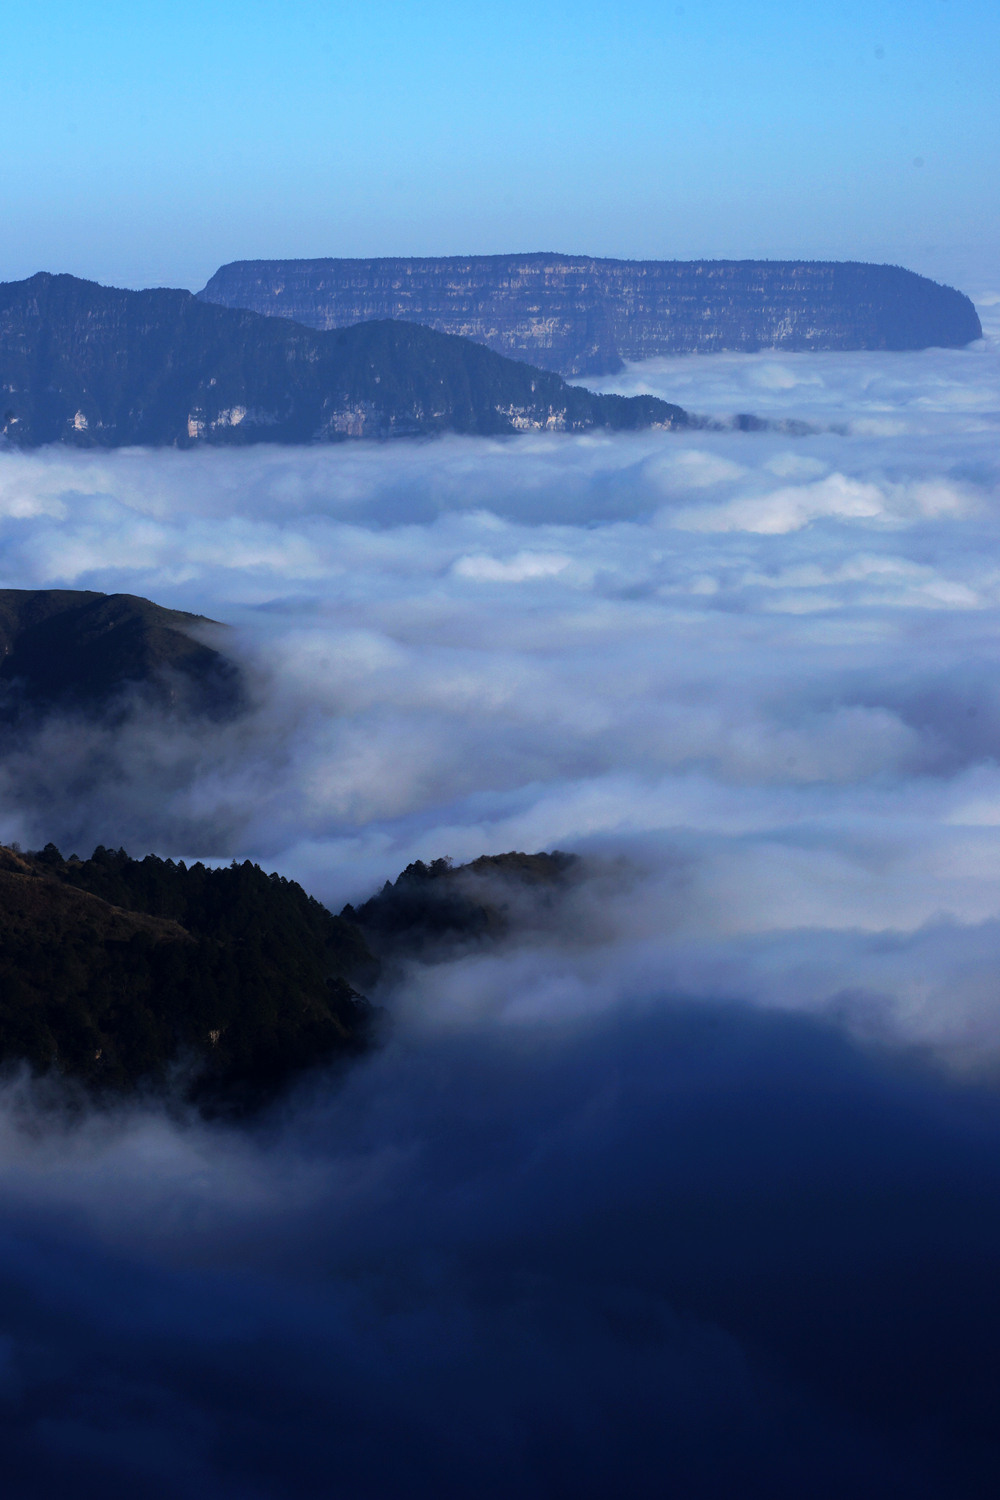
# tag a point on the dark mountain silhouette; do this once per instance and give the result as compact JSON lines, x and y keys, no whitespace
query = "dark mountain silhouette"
{"x":77,"y":649}
{"x":583,"y":315}
{"x":120,"y":973}
{"x":114,"y":970}
{"x":433,"y":908}
{"x":93,"y":365}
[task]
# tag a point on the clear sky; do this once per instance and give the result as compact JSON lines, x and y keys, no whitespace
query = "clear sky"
{"x":148,"y":144}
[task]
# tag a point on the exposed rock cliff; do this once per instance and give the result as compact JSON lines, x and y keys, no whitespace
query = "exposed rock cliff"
{"x":92,"y":365}
{"x":581,"y":315}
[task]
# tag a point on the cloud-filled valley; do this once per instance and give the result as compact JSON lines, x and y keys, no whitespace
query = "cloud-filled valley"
{"x":707,"y":1149}
{"x":762,"y":668}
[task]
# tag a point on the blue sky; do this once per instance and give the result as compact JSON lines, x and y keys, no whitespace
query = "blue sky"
{"x":148,"y":145}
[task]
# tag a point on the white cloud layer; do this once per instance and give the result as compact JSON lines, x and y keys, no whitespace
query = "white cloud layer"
{"x":753,"y":680}
{"x":768,"y":661}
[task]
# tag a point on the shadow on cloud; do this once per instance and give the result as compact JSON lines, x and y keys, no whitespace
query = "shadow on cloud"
{"x":722,"y":1246}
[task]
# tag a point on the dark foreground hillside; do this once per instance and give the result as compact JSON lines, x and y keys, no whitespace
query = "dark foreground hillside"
{"x":113,"y":971}
{"x":119,"y":973}
{"x":78,"y":649}
{"x":96,"y":366}
{"x":432,"y":909}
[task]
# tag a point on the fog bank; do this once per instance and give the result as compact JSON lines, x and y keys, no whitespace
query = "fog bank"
{"x":690,"y":1181}
{"x":758,"y":669}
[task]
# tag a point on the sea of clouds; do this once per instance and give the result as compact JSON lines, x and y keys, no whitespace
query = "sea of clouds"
{"x":696,"y":1177}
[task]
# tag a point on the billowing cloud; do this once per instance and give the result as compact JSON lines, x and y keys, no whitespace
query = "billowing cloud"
{"x":771,"y":658}
{"x":694,"y":1175}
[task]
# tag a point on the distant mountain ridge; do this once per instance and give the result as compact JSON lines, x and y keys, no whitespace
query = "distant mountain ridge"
{"x":586,"y":315}
{"x":97,"y":366}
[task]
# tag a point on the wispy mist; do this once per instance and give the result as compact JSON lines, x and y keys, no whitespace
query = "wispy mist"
{"x":760,"y":668}
{"x":695,"y":1175}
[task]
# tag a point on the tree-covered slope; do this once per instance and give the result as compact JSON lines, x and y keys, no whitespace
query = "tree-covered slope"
{"x":120,"y":973}
{"x":93,"y":365}
{"x":113,"y":971}
{"x":433,"y":908}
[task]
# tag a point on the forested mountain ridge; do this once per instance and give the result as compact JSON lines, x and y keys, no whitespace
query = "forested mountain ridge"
{"x":119,"y":973}
{"x":114,"y":970}
{"x":586,"y":315}
{"x":98,"y":366}
{"x":432,"y":909}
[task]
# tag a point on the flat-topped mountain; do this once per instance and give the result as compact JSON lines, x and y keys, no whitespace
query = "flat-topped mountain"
{"x":582,"y":315}
{"x":93,"y":365}
{"x":78,"y":649}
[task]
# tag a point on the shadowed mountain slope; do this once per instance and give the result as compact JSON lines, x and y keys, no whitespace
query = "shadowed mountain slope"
{"x":74,"y":648}
{"x":583,"y":315}
{"x":431,"y":909}
{"x":97,"y":366}
{"x":113,"y":970}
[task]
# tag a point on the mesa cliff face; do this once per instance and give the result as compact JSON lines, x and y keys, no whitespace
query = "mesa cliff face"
{"x":581,"y":315}
{"x":97,"y":366}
